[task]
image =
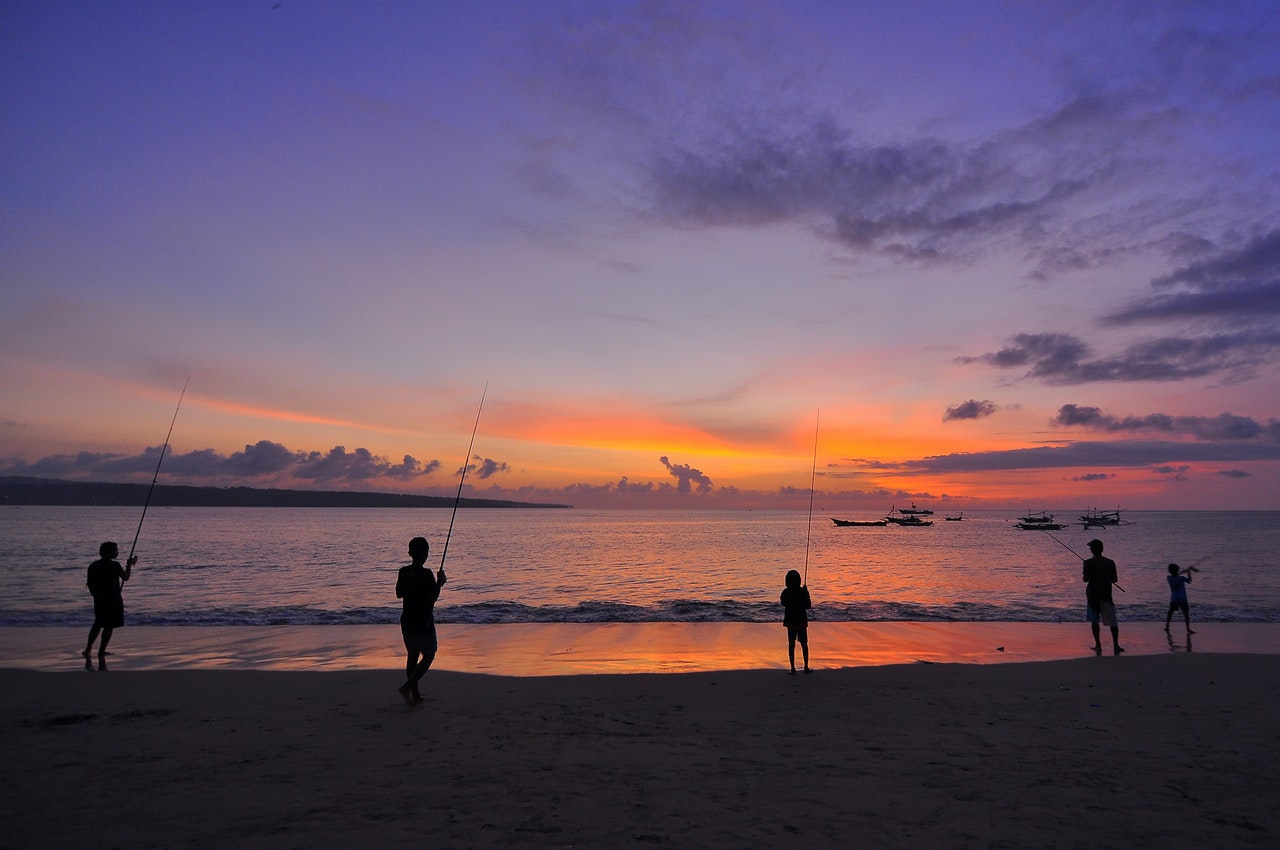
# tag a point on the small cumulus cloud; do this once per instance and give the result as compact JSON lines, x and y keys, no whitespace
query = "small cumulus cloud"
{"x":971,"y":409}
{"x":488,"y":467}
{"x":686,"y":476}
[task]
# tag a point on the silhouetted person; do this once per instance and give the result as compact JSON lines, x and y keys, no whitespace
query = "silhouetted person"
{"x":1178,"y":582}
{"x":105,"y":580}
{"x":795,"y":616}
{"x":419,"y":588}
{"x":1099,"y":575}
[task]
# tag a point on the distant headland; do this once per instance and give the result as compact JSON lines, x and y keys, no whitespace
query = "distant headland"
{"x":20,"y":490}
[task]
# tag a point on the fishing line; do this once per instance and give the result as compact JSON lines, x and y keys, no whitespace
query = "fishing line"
{"x":163,"y":449}
{"x":465,"y":463}
{"x":813,"y":476}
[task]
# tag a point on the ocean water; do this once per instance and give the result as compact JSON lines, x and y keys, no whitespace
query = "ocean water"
{"x":287,"y":566}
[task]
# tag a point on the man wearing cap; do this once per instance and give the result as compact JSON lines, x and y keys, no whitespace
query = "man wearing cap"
{"x":1099,"y":575}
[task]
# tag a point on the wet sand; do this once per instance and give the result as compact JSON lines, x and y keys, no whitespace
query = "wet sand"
{"x":575,"y":648}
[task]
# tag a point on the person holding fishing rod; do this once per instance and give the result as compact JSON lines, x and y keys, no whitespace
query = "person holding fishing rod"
{"x":419,"y":588}
{"x":105,"y":581}
{"x":1099,"y":574}
{"x":106,"y":577}
{"x":1178,"y":581}
{"x":795,"y":598}
{"x":795,"y":616}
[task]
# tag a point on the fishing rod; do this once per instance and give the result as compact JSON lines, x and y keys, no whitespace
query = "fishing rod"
{"x":813,"y":476}
{"x":1077,"y":554}
{"x":1194,"y":566}
{"x":1063,"y":545}
{"x":465,"y":463}
{"x":163,"y":449}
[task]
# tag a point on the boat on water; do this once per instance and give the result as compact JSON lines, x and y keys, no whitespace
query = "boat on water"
{"x":957,"y":518}
{"x":1094,"y":517}
{"x":913,"y":511}
{"x":1039,"y":521}
{"x":899,"y":517}
{"x":847,"y":522}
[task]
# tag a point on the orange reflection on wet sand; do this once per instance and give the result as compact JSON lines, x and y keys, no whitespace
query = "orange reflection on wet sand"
{"x":556,"y":649}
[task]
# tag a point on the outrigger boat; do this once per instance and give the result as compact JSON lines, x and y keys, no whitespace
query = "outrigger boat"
{"x":847,"y":522}
{"x":1039,"y":521}
{"x":1094,"y":517}
{"x":906,"y":519}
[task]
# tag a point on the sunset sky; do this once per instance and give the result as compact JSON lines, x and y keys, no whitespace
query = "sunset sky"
{"x":993,"y":254}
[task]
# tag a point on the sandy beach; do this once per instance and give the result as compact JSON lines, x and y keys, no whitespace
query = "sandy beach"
{"x":1174,"y":750}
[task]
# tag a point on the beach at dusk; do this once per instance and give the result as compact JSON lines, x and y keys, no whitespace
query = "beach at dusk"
{"x":597,"y":340}
{"x":1146,"y":750}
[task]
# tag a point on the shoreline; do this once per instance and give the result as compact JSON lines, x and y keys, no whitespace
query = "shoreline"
{"x":1170,"y":750}
{"x":540,"y":649}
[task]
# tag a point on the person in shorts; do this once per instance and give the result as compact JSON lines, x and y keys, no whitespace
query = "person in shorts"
{"x":1099,"y":574}
{"x":1178,"y":582}
{"x":105,"y":581}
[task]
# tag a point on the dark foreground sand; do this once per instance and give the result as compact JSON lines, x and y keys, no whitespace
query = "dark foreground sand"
{"x":1174,"y":750}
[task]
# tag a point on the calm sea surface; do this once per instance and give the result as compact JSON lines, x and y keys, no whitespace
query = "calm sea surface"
{"x":261,"y":566}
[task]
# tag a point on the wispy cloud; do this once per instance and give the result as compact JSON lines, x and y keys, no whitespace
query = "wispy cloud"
{"x":1094,"y":454}
{"x":1065,"y":359}
{"x":1236,"y":285}
{"x":264,"y":461}
{"x":1229,"y":301}
{"x":1224,"y":426}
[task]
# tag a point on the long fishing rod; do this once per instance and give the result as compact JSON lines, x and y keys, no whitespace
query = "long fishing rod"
{"x":813,"y":477}
{"x":1077,"y":554}
{"x":163,"y":449}
{"x":1063,"y":545}
{"x":465,"y":463}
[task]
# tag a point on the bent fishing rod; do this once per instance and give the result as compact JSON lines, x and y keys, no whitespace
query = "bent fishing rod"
{"x":465,"y":463}
{"x":813,"y":476}
{"x":1077,"y":554}
{"x":163,"y":449}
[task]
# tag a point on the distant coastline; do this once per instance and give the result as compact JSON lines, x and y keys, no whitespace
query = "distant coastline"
{"x":22,"y":490}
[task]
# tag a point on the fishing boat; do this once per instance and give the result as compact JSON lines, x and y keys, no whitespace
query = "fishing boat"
{"x":905,"y":519}
{"x":847,"y":522}
{"x":1094,"y":517}
{"x":957,"y":518}
{"x":913,"y":511}
{"x":1039,"y":521}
